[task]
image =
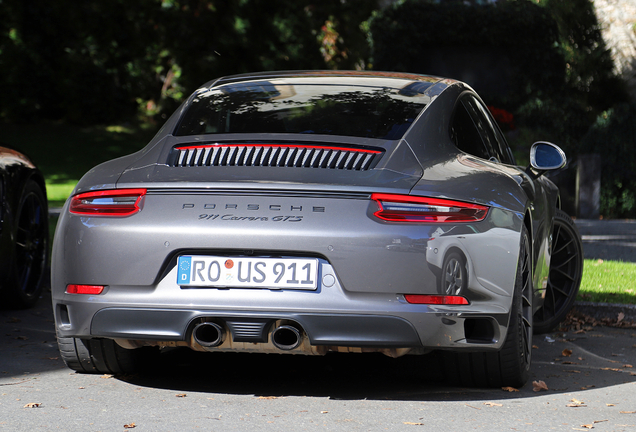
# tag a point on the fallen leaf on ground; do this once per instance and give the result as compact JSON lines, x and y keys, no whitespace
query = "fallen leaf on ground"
{"x":611,"y":369}
{"x":181,"y":395}
{"x":566,"y":352}
{"x":620,"y":317}
{"x":576,"y":401}
{"x":627,"y":412}
{"x":268,"y":397}
{"x":492,"y":404}
{"x":509,"y":389}
{"x":627,"y":366}
{"x":535,"y":347}
{"x":130,"y":426}
{"x":414,"y":424}
{"x":539,"y":385}
{"x":588,"y":426}
{"x":609,"y":404}
{"x":106,"y":376}
{"x":574,"y":405}
{"x":33,"y":405}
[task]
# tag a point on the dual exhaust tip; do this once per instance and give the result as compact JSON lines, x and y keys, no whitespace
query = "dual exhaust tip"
{"x":210,"y":334}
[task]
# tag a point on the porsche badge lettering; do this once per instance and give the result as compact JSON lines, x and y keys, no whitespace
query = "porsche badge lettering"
{"x":252,"y":207}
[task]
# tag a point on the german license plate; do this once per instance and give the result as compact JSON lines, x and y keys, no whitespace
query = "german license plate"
{"x":244,"y":272}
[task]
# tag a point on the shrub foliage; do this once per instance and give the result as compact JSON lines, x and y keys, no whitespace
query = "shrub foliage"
{"x":95,"y":61}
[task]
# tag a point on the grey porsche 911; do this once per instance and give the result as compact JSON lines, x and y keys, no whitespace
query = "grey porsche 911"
{"x":317,"y":212}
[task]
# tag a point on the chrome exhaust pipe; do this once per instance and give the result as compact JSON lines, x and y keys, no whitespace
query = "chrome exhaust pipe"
{"x":286,"y":337}
{"x":208,"y":334}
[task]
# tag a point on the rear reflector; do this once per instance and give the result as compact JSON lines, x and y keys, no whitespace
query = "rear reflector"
{"x":115,"y":202}
{"x":407,"y":208}
{"x":84,"y":289}
{"x":435,"y":299}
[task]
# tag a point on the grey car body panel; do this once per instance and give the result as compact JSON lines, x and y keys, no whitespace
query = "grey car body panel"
{"x":328,"y":214}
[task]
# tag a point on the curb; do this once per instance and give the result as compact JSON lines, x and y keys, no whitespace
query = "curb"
{"x":606,"y":310}
{"x":55,"y":211}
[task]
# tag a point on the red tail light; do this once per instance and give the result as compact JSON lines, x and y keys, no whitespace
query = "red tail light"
{"x":84,"y":289}
{"x":435,"y":299}
{"x":406,"y":208}
{"x":114,"y":202}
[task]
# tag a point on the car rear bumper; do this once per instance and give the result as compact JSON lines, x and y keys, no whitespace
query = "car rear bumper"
{"x":383,"y":324}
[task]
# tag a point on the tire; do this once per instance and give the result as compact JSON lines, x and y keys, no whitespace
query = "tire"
{"x":566,"y":270}
{"x":100,"y":356}
{"x":454,"y":274}
{"x":31,"y":253}
{"x":509,"y":366}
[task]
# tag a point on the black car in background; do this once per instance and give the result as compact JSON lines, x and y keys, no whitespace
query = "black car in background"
{"x":24,"y":231}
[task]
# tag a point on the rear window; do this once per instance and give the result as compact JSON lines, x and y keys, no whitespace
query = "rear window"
{"x":349,"y":109}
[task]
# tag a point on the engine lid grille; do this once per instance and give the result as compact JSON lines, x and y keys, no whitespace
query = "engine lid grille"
{"x":275,"y":155}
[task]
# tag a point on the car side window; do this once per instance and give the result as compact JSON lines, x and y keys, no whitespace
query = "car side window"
{"x":465,"y":134}
{"x":493,"y":135}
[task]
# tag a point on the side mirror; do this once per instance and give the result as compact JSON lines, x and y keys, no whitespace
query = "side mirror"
{"x":545,"y":156}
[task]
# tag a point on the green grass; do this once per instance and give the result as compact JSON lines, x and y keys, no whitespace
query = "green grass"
{"x":57,"y":193}
{"x":608,"y":282}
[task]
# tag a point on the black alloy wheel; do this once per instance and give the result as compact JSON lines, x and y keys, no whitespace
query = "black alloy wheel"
{"x":566,"y":270}
{"x":31,"y":247}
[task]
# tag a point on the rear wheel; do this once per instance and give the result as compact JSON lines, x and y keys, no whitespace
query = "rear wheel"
{"x":100,"y":356}
{"x":566,"y":269}
{"x":511,"y":365}
{"x":31,"y":248}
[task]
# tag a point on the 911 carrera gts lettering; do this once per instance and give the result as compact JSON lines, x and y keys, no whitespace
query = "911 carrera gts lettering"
{"x":230,"y":217}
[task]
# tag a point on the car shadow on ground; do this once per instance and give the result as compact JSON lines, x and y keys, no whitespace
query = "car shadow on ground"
{"x":565,"y":363}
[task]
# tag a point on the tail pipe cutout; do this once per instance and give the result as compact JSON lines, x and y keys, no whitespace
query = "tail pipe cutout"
{"x":209,"y":334}
{"x":286,"y":337}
